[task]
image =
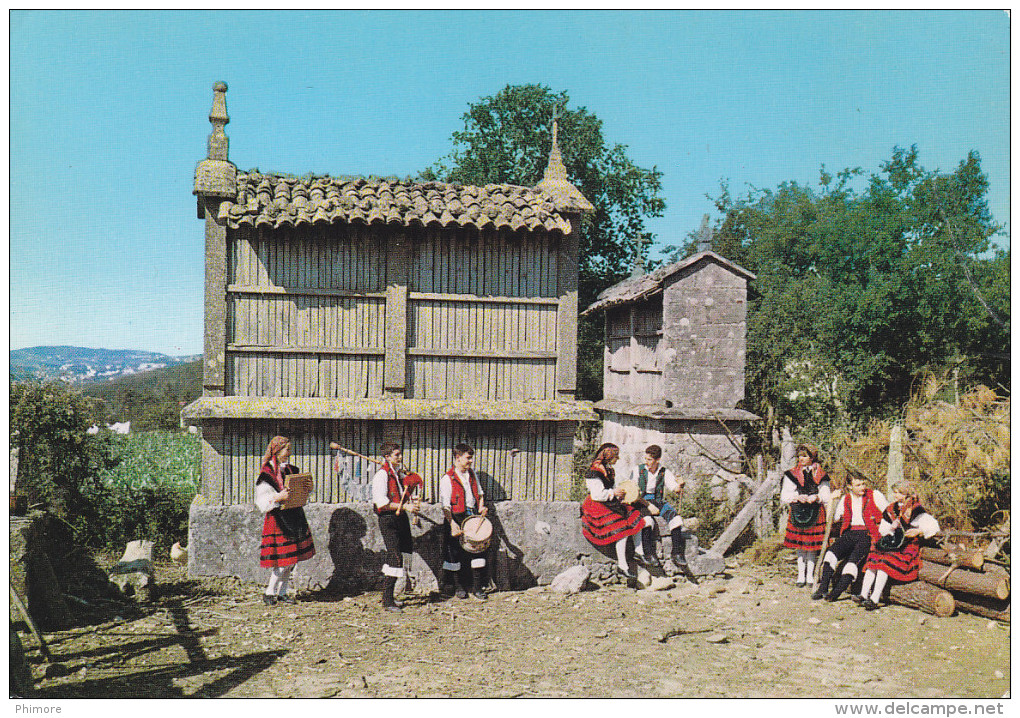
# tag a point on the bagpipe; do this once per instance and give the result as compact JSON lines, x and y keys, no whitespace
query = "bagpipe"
{"x":413,"y":485}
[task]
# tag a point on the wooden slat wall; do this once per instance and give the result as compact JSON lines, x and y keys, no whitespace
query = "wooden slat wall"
{"x":524,"y":475}
{"x":280,"y":283}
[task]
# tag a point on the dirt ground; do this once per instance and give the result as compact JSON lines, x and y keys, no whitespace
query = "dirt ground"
{"x":750,"y":634}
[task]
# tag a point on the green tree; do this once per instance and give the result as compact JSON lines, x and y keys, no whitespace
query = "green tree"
{"x":864,"y":282}
{"x":506,"y":140}
{"x":58,"y":460}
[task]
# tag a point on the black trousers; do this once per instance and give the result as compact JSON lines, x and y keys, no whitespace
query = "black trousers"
{"x":396,"y":534}
{"x":853,"y":546}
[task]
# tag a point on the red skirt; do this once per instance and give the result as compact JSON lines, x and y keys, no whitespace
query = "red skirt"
{"x":278,"y":549}
{"x":601,"y":525}
{"x":806,"y":538}
{"x":902,"y":565}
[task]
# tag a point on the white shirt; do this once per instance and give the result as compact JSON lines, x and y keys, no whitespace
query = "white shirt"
{"x":925,"y":521}
{"x":380,"y":488}
{"x":265,"y":494}
{"x":598,"y":491}
{"x":653,"y":479}
{"x":857,"y":507}
{"x":446,"y":490}
{"x":789,"y":492}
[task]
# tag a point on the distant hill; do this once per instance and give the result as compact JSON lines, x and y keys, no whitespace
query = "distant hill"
{"x":150,"y":400}
{"x":82,"y":364}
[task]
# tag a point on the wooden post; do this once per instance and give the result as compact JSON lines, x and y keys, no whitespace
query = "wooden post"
{"x":741,"y":520}
{"x":395,"y":362}
{"x":566,"y":316}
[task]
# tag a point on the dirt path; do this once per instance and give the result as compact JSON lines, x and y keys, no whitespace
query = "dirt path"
{"x":750,"y":634}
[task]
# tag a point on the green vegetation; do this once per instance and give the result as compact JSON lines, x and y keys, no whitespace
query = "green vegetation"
{"x":151,"y":401}
{"x":506,"y":139}
{"x":859,"y":291}
{"x":108,"y":488}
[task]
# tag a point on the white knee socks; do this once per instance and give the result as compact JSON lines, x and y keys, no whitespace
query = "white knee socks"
{"x":869,"y":580}
{"x":278,"y":581}
{"x":880,"y":579}
{"x":621,"y":553}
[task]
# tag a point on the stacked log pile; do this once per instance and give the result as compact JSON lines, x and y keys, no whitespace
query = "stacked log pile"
{"x":957,"y":578}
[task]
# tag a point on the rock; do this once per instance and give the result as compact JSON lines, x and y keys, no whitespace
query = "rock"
{"x":570,"y":581}
{"x":661,"y":583}
{"x":133,"y":574}
{"x":542,"y":528}
{"x":717,"y":638}
{"x":1000,"y":674}
{"x":707,"y":564}
{"x":814,"y":621}
{"x":922,"y":620}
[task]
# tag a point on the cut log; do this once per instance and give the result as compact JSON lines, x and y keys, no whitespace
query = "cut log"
{"x":965,"y":558}
{"x":741,"y":520}
{"x":924,"y":597}
{"x":983,"y":606}
{"x":992,"y":584}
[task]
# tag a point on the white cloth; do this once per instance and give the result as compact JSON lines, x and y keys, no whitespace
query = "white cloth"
{"x":598,"y":491}
{"x":380,"y":487}
{"x":857,"y":507}
{"x":926,"y":522}
{"x":788,"y":491}
{"x":446,"y":490}
{"x":653,"y":479}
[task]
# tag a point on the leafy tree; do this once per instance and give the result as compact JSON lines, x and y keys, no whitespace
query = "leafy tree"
{"x":506,"y":140}
{"x":57,"y":459}
{"x":860,"y":290}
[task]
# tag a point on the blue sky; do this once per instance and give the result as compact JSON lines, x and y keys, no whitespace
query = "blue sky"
{"x":109,"y":117}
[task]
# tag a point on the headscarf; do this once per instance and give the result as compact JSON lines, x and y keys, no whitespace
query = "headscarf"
{"x":271,"y":462}
{"x":606,"y":451}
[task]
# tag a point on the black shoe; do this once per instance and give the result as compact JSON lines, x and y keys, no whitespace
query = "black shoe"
{"x":625,"y":573}
{"x":859,"y":600}
{"x":461,"y":593}
{"x":641,"y":560}
{"x":685,"y":569}
{"x":801,"y":584}
{"x":818,"y":594}
{"x":287,"y":599}
{"x":269,"y":599}
{"x":653,"y":561}
{"x":393,"y":609}
{"x":870,"y":605}
{"x":480,"y":595}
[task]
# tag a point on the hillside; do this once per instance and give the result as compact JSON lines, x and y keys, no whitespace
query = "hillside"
{"x":151,"y":400}
{"x":83,"y":364}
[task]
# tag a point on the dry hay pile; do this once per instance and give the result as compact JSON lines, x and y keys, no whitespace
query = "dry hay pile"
{"x":956,"y":454}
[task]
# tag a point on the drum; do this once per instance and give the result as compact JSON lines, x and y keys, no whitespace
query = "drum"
{"x":476,"y":534}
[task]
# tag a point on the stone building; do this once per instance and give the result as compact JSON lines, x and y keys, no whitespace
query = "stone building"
{"x":363,"y":310}
{"x":674,"y":364}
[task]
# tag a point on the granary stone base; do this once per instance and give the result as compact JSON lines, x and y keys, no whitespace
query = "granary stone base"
{"x":683,"y":442}
{"x":533,"y":542}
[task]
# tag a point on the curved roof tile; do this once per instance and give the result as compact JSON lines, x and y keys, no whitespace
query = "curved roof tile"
{"x":273,"y":200}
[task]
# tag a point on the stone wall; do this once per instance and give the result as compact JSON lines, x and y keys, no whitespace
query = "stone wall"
{"x":682,"y":444}
{"x":533,"y":542}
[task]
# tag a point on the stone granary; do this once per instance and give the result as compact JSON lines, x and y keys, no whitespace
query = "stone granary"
{"x":359,"y":311}
{"x":674,"y":364}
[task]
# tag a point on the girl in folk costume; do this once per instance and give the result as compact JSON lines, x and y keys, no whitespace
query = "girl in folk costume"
{"x":388,"y":487}
{"x":286,"y":538}
{"x":858,"y":514}
{"x":604,"y":519}
{"x":897,"y":554}
{"x":461,"y":496}
{"x":806,"y":490}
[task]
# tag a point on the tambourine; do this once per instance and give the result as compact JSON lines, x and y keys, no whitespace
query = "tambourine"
{"x":631,"y":492}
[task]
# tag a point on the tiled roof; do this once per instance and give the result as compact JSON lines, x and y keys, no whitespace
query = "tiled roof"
{"x":637,"y":288}
{"x":275,"y":201}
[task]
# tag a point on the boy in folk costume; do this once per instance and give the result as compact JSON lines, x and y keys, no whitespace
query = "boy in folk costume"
{"x":806,"y":490}
{"x":897,"y":555}
{"x":388,"y":489}
{"x":605,"y":519}
{"x":286,"y":538}
{"x":461,"y":496}
{"x":652,"y":479}
{"x":858,"y":513}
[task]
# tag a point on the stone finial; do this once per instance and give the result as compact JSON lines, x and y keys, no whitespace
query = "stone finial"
{"x":639,"y":261}
{"x":555,"y":182}
{"x":218,"y":143}
{"x":215,"y":176}
{"x":705,"y":235}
